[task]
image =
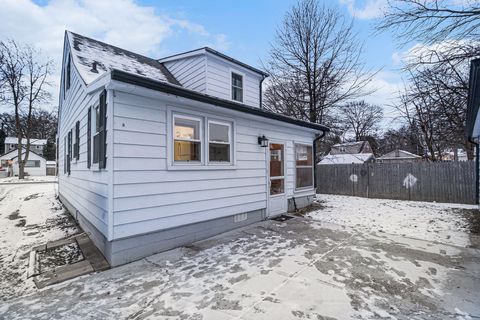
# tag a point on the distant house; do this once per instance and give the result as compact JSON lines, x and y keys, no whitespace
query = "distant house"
{"x":35,"y":165}
{"x":36,"y":145}
{"x":347,"y":158}
{"x":156,"y":154}
{"x":351,"y":148}
{"x":399,"y":156}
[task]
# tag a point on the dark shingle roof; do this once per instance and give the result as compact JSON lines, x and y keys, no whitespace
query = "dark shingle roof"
{"x":87,"y":51}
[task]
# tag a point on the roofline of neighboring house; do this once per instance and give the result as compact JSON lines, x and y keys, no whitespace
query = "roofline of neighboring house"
{"x":473,"y":101}
{"x":144,"y":82}
{"x":16,"y":149}
{"x":398,"y":158}
{"x":216,"y":53}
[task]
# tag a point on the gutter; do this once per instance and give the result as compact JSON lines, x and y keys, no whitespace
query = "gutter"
{"x":168,"y":88}
{"x":315,"y":158}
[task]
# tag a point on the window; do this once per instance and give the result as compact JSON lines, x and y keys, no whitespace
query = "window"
{"x":67,"y":76}
{"x":99,"y":137}
{"x":69,"y":152}
{"x":96,"y":120}
{"x":187,"y":139}
{"x":32,"y":164}
{"x":237,"y":87}
{"x":304,"y":166}
{"x":89,"y":138}
{"x":219,"y":134}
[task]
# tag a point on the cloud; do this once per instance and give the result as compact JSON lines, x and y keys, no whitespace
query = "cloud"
{"x":370,"y":9}
{"x":123,"y":23}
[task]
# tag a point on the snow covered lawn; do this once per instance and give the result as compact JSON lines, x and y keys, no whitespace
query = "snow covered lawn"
{"x":298,"y":269}
{"x":30,"y":215}
{"x":441,"y":222}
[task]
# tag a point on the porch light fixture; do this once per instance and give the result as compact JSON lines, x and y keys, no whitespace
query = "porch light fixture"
{"x":263,"y":141}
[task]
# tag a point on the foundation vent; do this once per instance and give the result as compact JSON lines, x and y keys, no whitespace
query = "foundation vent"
{"x":240,"y":217}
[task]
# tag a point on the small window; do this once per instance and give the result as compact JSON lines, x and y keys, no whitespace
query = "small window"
{"x":237,"y":87}
{"x":187,"y":139}
{"x":219,"y":134}
{"x":304,"y":166}
{"x":96,"y":134}
{"x":32,"y":164}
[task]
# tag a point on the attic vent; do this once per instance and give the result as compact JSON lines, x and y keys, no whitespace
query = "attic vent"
{"x":94,"y":67}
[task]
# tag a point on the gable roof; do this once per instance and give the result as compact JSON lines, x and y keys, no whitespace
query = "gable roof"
{"x":399,"y":154}
{"x":33,"y":142}
{"x":346,"y":158}
{"x":86,"y":52}
{"x":15,"y":152}
{"x":214,"y":52}
{"x":351,"y":147}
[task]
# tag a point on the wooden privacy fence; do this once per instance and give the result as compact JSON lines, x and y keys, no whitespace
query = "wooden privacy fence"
{"x":452,"y":182}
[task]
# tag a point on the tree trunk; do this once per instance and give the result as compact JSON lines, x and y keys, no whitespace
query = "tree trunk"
{"x":21,"y":163}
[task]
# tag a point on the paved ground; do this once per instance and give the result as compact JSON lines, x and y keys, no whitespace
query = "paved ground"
{"x":299,"y":269}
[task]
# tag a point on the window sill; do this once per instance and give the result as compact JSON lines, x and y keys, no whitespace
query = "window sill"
{"x":200,"y":167}
{"x":306,"y":190}
{"x":95,"y":167}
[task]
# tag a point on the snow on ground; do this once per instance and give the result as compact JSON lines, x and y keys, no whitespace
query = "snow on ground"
{"x":30,"y":215}
{"x":441,"y":222}
{"x":28,"y":179}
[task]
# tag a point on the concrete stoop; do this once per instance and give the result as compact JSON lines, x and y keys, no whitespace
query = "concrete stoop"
{"x":92,"y":261}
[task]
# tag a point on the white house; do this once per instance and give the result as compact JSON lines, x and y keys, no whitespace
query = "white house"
{"x":347,"y":158}
{"x":155,"y":154}
{"x":35,"y":165}
{"x":36,"y":145}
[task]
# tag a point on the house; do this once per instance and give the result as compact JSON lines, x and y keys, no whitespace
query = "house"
{"x":35,"y":165}
{"x":351,"y":148}
{"x":399,"y":156}
{"x":347,"y":158}
{"x":155,"y":154}
{"x":473,"y":117}
{"x":36,"y":145}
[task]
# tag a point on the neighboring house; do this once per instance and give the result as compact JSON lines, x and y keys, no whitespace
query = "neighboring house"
{"x":450,"y":155}
{"x":348,"y":158}
{"x":351,"y":148}
{"x":35,"y":165}
{"x":155,"y":154}
{"x":36,"y":145}
{"x":399,"y":156}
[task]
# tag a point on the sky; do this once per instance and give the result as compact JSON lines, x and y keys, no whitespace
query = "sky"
{"x":241,"y":29}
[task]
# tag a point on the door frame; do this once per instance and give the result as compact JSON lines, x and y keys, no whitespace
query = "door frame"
{"x":284,"y":194}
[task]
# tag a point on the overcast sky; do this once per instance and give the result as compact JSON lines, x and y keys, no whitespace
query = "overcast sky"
{"x":241,"y":29}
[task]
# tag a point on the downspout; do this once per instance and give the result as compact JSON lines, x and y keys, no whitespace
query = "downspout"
{"x":477,"y":173}
{"x":261,"y":93}
{"x":315,"y":158}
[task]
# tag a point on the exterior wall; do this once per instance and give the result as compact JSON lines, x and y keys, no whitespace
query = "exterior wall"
{"x":190,"y":72}
{"x":219,"y":81}
{"x":148,"y":196}
{"x":86,"y":190}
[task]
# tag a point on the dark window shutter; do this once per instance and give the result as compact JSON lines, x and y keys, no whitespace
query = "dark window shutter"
{"x":89,"y":137}
{"x":65,"y":144}
{"x":67,"y":76}
{"x":69,"y":156}
{"x":77,"y":140}
{"x":102,"y":147}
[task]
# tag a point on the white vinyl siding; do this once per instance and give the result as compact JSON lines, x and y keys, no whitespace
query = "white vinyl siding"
{"x":85,"y":189}
{"x":149,"y":197}
{"x":190,"y":72}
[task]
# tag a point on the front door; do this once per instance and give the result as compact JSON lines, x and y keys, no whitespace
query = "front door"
{"x":277,"y":200}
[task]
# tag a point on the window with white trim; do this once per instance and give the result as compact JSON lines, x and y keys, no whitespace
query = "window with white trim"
{"x":219,"y":141}
{"x":237,"y":87}
{"x":187,"y":139}
{"x":303,"y":166}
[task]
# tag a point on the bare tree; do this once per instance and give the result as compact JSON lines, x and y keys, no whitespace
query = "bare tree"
{"x":432,"y":21}
{"x":23,"y":84}
{"x":314,"y":63}
{"x":361,"y":118}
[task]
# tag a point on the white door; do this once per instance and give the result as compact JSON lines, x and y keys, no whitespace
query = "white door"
{"x":277,"y":200}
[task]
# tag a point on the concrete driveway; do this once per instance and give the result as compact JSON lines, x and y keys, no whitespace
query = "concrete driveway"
{"x":298,"y":269}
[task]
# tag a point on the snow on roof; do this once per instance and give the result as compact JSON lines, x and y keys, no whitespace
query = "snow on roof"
{"x":34,"y":142}
{"x":402,"y":154}
{"x":347,"y":144}
{"x":86,"y":52}
{"x":346,"y":158}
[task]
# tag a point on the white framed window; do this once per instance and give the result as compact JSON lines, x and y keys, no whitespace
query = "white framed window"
{"x":96,"y":132}
{"x":32,"y":164}
{"x":187,"y":139}
{"x":219,"y":142}
{"x":303,"y":166}
{"x":237,"y":87}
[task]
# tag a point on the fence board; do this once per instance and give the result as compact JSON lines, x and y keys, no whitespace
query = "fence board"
{"x":452,"y":182}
